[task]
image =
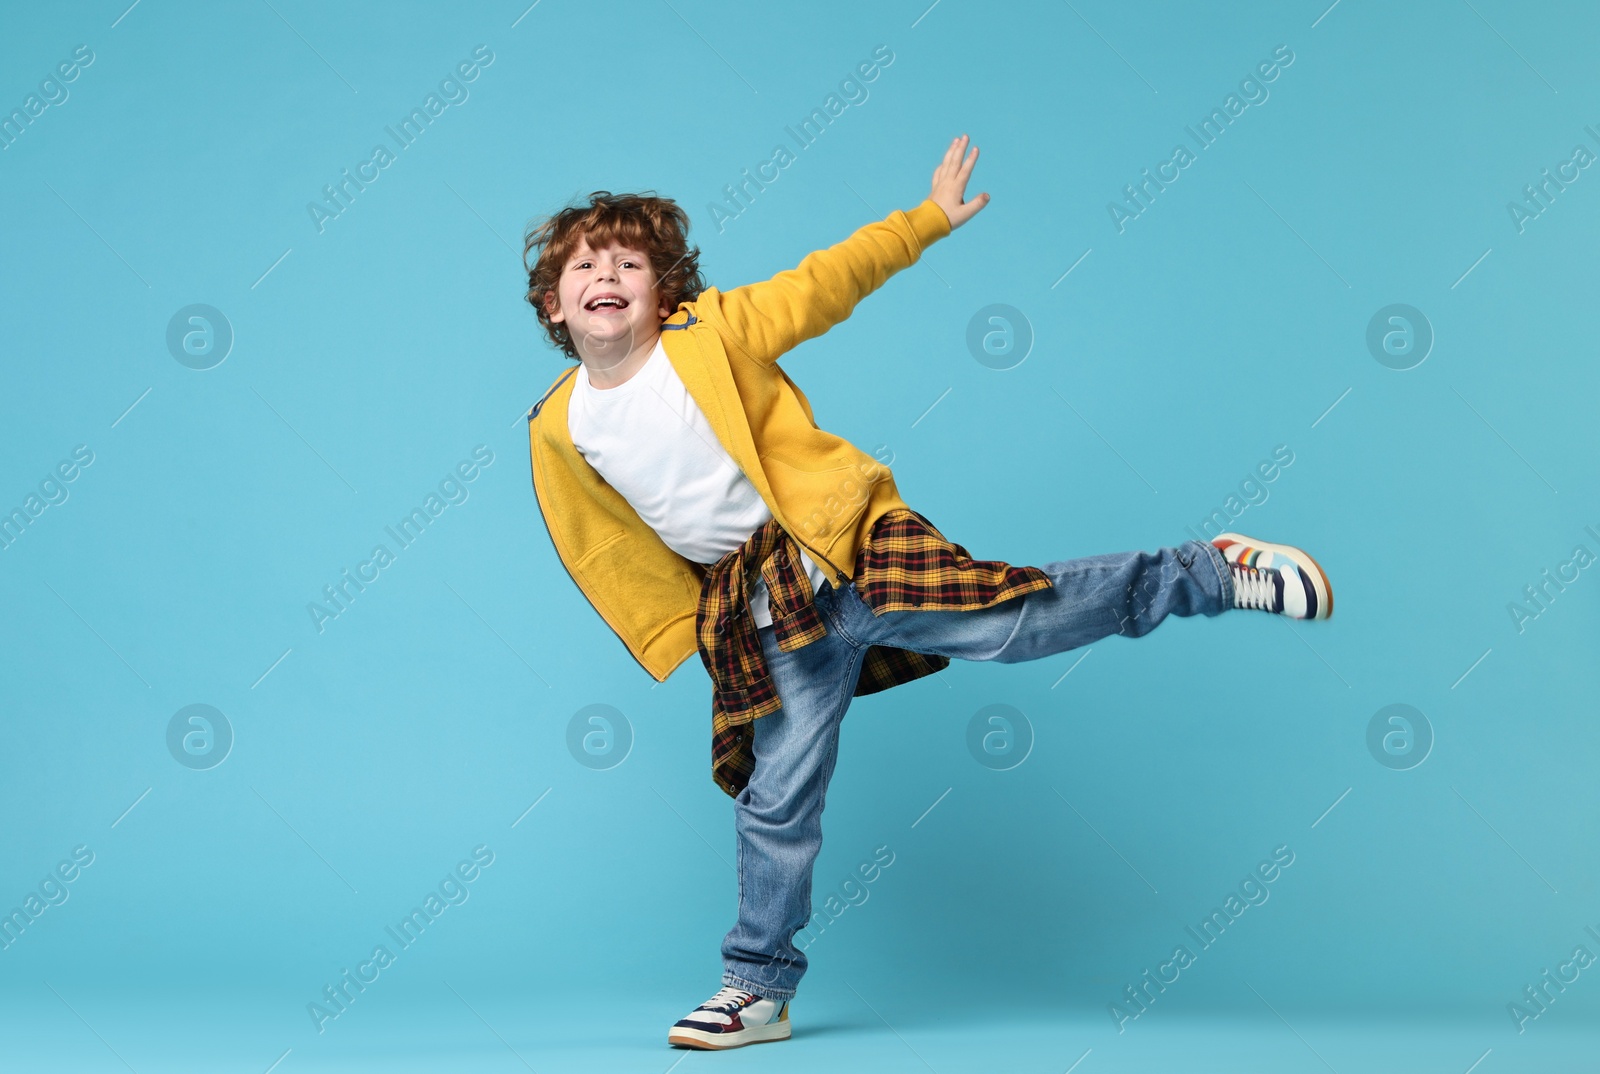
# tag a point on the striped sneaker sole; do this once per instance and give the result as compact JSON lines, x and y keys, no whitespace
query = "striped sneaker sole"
{"x":685,"y":1037}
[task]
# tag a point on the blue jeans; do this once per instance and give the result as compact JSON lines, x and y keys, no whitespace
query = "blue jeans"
{"x":778,"y":815}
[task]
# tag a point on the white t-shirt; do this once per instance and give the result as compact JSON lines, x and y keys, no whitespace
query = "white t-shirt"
{"x":651,"y":441}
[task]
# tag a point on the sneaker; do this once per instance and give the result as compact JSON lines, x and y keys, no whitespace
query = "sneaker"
{"x":1278,"y":578}
{"x":731,"y":1018}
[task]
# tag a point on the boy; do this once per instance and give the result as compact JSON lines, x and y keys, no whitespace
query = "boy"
{"x":697,"y":505}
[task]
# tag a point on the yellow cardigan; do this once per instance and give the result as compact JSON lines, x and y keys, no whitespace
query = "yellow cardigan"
{"x":823,"y":490}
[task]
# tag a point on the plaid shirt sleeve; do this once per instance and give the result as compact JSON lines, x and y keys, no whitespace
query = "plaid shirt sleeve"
{"x":904,"y":565}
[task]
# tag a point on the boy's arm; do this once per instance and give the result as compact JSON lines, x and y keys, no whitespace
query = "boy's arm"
{"x":764,"y":320}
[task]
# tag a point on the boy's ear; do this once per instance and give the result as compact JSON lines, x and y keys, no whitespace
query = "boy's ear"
{"x":552,"y":307}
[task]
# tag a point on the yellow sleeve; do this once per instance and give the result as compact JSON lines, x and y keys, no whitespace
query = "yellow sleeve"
{"x":764,"y":320}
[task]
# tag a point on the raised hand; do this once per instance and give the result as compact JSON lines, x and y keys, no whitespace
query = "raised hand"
{"x":950,"y":184}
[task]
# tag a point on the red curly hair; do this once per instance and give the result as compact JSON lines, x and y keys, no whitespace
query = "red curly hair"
{"x":655,"y":225}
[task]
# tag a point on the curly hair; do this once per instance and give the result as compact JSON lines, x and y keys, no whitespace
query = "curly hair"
{"x":655,"y":225}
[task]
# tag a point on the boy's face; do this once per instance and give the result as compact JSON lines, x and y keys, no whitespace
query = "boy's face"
{"x":617,"y":273}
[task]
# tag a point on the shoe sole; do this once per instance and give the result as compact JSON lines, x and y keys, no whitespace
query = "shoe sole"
{"x":695,"y":1038}
{"x":1301,"y":559}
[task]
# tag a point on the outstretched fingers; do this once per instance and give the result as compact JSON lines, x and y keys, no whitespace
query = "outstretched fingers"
{"x":967,"y":166}
{"x":952,"y":154}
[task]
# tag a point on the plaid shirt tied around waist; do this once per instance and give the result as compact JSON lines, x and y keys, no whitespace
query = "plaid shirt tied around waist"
{"x":904,"y":565}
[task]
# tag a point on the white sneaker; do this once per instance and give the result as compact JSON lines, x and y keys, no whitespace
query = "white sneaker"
{"x":1278,"y":578}
{"x":731,"y":1018}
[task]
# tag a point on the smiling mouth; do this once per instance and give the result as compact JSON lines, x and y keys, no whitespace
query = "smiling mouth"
{"x":606,"y":305}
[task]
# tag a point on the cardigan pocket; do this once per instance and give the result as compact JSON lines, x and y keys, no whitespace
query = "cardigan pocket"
{"x":824,"y":502}
{"x":658,"y":593}
{"x":598,"y":547}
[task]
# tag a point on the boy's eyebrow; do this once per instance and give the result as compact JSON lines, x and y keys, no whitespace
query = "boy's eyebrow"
{"x":579,"y":256}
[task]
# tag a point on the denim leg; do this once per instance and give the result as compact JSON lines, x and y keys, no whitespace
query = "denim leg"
{"x":778,"y":815}
{"x":1126,"y":593}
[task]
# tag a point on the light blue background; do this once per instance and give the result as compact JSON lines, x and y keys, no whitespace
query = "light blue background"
{"x":372,"y":357}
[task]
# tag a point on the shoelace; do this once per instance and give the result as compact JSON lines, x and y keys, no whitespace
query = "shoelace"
{"x":1253,"y":587}
{"x":728,"y":999}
